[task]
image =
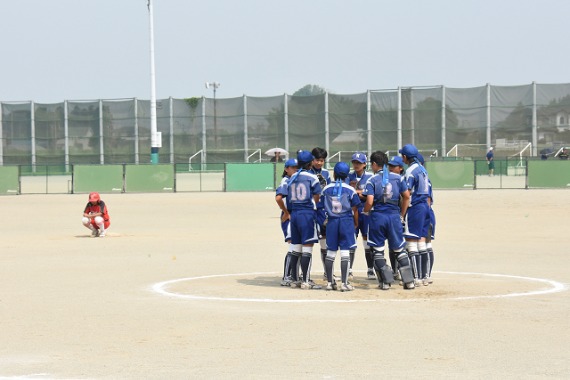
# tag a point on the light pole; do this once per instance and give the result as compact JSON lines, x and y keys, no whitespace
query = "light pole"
{"x":154,"y":136}
{"x":214,"y":86}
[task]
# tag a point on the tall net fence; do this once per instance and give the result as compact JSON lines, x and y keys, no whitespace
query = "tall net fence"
{"x":528,"y":120}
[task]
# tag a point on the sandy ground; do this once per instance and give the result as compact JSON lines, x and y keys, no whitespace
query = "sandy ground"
{"x":72,"y":306}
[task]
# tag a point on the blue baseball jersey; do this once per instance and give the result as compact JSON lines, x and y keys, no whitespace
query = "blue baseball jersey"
{"x":301,"y":188}
{"x":360,"y":182}
{"x":386,"y":198}
{"x":339,"y":199}
{"x":418,"y":183}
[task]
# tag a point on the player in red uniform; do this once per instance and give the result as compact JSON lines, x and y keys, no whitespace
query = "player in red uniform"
{"x":96,"y":216}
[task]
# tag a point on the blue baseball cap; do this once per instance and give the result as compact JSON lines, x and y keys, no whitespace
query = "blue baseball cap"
{"x":409,"y":150}
{"x":360,"y":157}
{"x":291,"y":162}
{"x":341,"y":169}
{"x":420,"y":158}
{"x":396,"y":161}
{"x":304,"y":157}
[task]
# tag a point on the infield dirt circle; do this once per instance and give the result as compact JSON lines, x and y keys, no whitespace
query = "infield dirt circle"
{"x":186,"y":285}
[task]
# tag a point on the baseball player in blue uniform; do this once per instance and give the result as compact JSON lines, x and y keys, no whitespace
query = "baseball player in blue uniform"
{"x":431,"y":233}
{"x":357,"y":179}
{"x":340,"y":202}
{"x":417,"y":218}
{"x":303,"y":194}
{"x":281,"y":199}
{"x":383,"y":192}
{"x":323,"y":175}
{"x":395,"y":165}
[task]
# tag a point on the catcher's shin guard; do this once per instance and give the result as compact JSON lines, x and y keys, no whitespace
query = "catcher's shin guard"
{"x":405,"y":268}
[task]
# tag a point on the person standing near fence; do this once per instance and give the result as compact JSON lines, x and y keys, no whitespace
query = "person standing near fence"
{"x":491,"y":162}
{"x":96,"y":216}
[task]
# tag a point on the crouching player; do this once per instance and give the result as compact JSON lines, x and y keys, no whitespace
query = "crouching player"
{"x":281,"y":198}
{"x":303,"y":194}
{"x":341,"y":205}
{"x":383,"y":193}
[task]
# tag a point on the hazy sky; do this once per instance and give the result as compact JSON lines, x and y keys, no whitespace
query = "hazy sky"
{"x":52,"y":50}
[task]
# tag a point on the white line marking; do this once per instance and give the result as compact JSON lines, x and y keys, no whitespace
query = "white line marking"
{"x":555,"y":287}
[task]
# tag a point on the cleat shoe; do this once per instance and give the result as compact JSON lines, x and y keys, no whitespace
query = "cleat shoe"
{"x":102,"y":234}
{"x":410,"y":286}
{"x":286,"y":281}
{"x":346,"y":288}
{"x":94,"y":232}
{"x":331,"y":286}
{"x":417,"y":282}
{"x":295,"y":284}
{"x":430,"y":280}
{"x":384,"y":286}
{"x":425,"y":282}
{"x":310,"y":285}
{"x":370,"y":274}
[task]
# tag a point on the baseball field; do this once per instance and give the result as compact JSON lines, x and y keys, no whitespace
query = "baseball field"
{"x":186,"y":285}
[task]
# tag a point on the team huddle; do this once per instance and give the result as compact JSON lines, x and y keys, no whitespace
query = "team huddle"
{"x":389,"y":207}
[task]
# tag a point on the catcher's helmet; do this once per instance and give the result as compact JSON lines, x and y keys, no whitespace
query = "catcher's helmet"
{"x":94,"y":197}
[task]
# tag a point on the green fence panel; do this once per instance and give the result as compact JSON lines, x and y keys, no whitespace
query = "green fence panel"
{"x":149,"y":178}
{"x":549,"y":173}
{"x":250,"y":177}
{"x":100,"y":178}
{"x":451,"y":174}
{"x":9,"y":180}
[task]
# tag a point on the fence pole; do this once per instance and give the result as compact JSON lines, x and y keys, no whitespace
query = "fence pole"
{"x":327,"y":131}
{"x":286,"y":124}
{"x":171,"y":119}
{"x":245,"y":135}
{"x":101,"y":148}
{"x":488,"y":116}
{"x":136,"y":107}
{"x":399,"y":138}
{"x":368,"y":123}
{"x":33,"y":135}
{"x":443,"y":126}
{"x":204,"y":155}
{"x":66,"y":134}
{"x":534,"y":123}
{"x":1,"y":138}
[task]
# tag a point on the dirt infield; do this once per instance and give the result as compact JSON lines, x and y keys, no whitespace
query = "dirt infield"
{"x":187,"y":286}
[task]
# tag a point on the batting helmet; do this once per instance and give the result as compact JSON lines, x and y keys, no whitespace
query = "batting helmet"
{"x":341,"y":170}
{"x":291,"y":162}
{"x":409,"y":150}
{"x":94,"y":197}
{"x":304,"y":157}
